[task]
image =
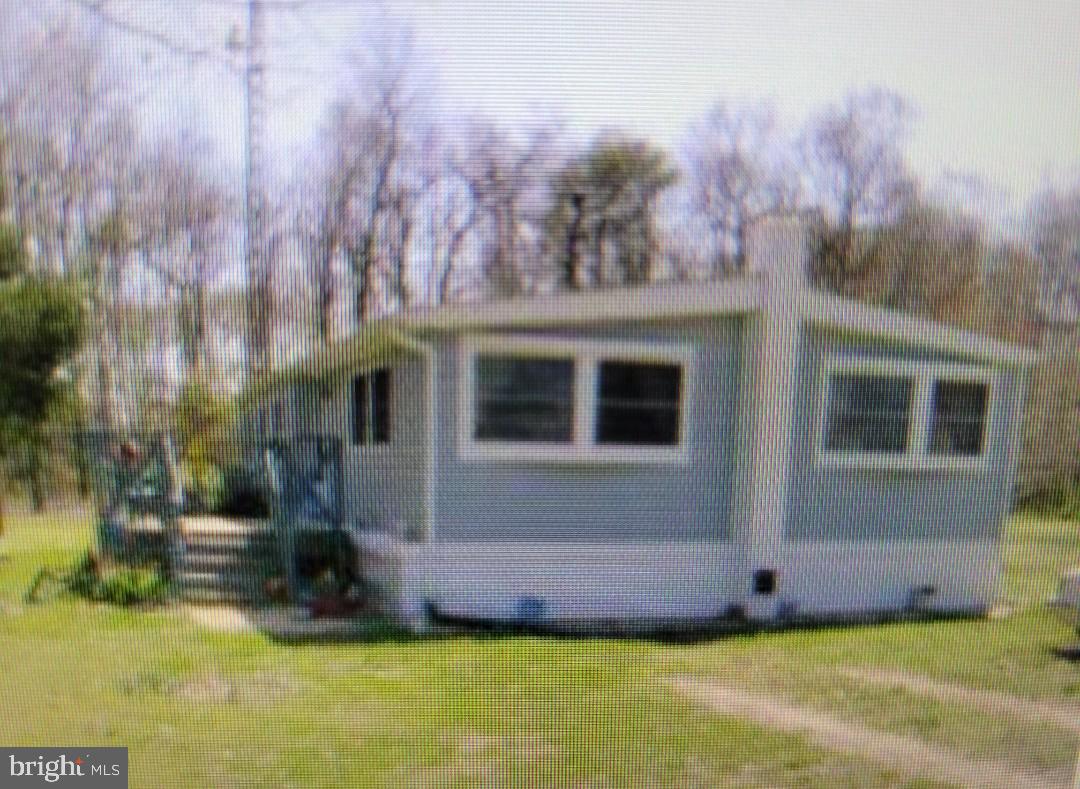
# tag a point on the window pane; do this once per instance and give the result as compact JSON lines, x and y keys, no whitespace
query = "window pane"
{"x":524,"y":399}
{"x":638,"y":403}
{"x":380,"y":406}
{"x":957,"y":418}
{"x":360,"y":409}
{"x":868,"y":413}
{"x":371,"y":408}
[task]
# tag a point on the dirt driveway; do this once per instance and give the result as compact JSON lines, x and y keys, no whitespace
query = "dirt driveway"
{"x":908,"y":755}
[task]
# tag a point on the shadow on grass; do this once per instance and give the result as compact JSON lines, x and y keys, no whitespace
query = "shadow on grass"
{"x":1070,"y":653}
{"x":292,"y":627}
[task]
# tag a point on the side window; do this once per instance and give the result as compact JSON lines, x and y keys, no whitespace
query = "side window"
{"x":638,"y":403}
{"x":371,"y":408}
{"x":868,"y":413}
{"x":957,"y":418}
{"x":524,"y":399}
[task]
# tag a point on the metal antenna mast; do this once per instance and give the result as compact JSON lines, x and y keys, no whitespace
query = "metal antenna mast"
{"x":252,"y":48}
{"x":260,"y":288}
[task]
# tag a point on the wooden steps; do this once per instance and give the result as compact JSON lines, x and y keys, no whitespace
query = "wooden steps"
{"x":224,"y":561}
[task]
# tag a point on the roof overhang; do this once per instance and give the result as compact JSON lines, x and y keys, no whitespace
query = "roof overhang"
{"x":825,"y":310}
{"x":371,"y":347}
{"x":390,"y":337}
{"x":639,"y":303}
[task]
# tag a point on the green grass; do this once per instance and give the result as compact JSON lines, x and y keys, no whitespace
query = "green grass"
{"x":197,"y":707}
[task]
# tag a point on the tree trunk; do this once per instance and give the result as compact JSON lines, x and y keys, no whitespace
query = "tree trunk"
{"x":326,"y":291}
{"x":38,"y":494}
{"x":572,"y":259}
{"x":81,"y":466}
{"x":405,"y":234}
{"x":363,"y":266}
{"x":3,"y":493}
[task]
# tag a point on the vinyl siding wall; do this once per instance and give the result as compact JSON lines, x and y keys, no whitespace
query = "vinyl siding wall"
{"x":849,"y":504}
{"x":384,"y":484}
{"x":600,"y":502}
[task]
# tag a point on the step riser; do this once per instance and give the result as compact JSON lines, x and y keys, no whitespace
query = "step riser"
{"x":235,"y":592}
{"x":203,"y":577}
{"x":206,"y":597}
{"x":226,"y":565}
{"x":214,"y":561}
{"x":229,"y":545}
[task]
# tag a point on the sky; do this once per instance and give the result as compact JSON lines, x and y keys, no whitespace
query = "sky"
{"x":996,"y":83}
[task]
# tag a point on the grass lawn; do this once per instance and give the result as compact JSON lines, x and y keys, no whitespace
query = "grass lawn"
{"x":197,"y":707}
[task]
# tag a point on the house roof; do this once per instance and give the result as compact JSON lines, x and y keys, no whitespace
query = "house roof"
{"x":394,"y":333}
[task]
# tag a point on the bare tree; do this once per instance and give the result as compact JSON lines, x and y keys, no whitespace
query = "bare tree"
{"x":455,"y":219}
{"x":930,"y":261}
{"x":371,"y":177}
{"x":738,"y":167}
{"x":67,"y":122}
{"x":507,"y":175}
{"x":859,"y":175}
{"x":1054,"y":228}
{"x":186,"y":216}
{"x":70,"y":142}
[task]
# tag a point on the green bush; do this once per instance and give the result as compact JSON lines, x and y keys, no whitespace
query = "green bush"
{"x":204,"y":484}
{"x":100,"y":581}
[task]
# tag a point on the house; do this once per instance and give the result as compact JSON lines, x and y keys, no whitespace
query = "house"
{"x":748,"y":447}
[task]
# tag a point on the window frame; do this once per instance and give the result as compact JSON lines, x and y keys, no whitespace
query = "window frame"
{"x":586,"y":355}
{"x":368,"y":441}
{"x":924,"y":375}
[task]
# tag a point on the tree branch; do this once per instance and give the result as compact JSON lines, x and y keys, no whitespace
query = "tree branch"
{"x":98,"y":9}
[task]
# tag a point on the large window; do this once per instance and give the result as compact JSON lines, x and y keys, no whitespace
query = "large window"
{"x":868,"y":413}
{"x":899,"y":414}
{"x":524,"y":399}
{"x":371,"y":408}
{"x":958,"y":418}
{"x":638,"y":403}
{"x":553,"y":400}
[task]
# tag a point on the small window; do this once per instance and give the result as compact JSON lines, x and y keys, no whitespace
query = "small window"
{"x":371,"y":408}
{"x":869,"y":413}
{"x":638,"y":403}
{"x":528,"y":400}
{"x":957,"y":418}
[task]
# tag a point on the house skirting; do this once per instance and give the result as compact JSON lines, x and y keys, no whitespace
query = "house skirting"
{"x":547,"y":583}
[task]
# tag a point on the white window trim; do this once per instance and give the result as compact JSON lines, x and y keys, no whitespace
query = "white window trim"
{"x":924,"y":374}
{"x":587,"y":354}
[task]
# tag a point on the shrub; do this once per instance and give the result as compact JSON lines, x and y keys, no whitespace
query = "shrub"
{"x":133,"y":585}
{"x":101,"y":581}
{"x":204,"y":485}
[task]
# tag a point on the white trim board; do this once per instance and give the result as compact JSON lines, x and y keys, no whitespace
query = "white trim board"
{"x":733,"y":296}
